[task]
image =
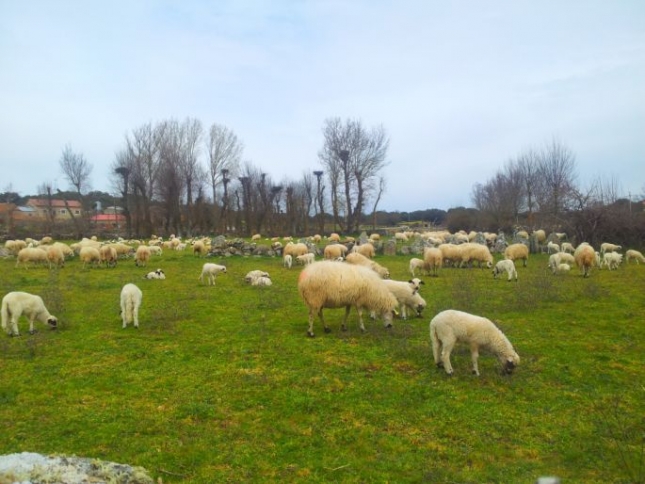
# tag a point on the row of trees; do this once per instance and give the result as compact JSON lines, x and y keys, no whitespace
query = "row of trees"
{"x":176,"y":177}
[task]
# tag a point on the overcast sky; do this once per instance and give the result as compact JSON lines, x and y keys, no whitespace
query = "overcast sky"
{"x":459,"y":86}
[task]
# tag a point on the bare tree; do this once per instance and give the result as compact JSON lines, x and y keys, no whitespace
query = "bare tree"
{"x":528,"y":164}
{"x":353,"y":157}
{"x":557,"y":173}
{"x":382,"y":185}
{"x":76,"y":169}
{"x":224,"y":154}
{"x":121,"y":170}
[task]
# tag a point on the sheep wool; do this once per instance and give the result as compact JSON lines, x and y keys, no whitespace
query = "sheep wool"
{"x":131,"y":297}
{"x":450,"y":327}
{"x":328,"y":284}
{"x":585,"y":258}
{"x":16,"y":304}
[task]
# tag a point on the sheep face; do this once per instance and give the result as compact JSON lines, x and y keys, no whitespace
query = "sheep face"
{"x":52,"y":322}
{"x":419,"y":309}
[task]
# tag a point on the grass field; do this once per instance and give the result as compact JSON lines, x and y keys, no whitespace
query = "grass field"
{"x":221,"y":384}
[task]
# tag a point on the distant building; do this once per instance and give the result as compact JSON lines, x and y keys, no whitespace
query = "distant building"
{"x":43,"y":207}
{"x":108,"y":220}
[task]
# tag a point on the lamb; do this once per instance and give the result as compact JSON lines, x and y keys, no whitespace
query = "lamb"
{"x":261,"y":281}
{"x":607,"y":247}
{"x":287,"y":261}
{"x":612,"y":260}
{"x":505,"y":265}
{"x":16,"y":304}
{"x":634,"y":255}
{"x":556,"y":260}
{"x":327,"y":284}
{"x":415,"y":264}
{"x":567,"y":247}
{"x":158,"y":274}
{"x":358,"y":259}
{"x":562,"y":267}
{"x":89,"y":255}
{"x":517,"y":251}
{"x":211,"y":270}
{"x":585,"y":258}
{"x":433,"y":258}
{"x":451,"y":326}
{"x":142,"y":255}
{"x":334,"y":251}
{"x":306,"y":259}
{"x":131,"y":297}
{"x":407,"y":296}
{"x":552,"y":248}
{"x":255,"y":274}
{"x":31,"y":254}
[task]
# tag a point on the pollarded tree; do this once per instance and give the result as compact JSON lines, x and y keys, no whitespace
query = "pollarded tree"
{"x":353,"y":158}
{"x":76,"y":169}
{"x":224,"y":154}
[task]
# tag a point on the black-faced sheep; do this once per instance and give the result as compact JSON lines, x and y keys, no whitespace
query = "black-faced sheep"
{"x":327,"y":284}
{"x":407,"y":295}
{"x":16,"y":304}
{"x":158,"y":274}
{"x":450,"y":327}
{"x":131,"y":297}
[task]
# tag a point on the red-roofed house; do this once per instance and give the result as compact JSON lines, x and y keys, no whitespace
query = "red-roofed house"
{"x":108,"y":220}
{"x":42,"y":207}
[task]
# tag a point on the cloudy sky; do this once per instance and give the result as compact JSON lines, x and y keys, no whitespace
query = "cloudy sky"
{"x":460,"y":86}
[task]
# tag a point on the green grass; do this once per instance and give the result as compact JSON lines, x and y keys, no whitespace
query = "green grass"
{"x":221,"y":384}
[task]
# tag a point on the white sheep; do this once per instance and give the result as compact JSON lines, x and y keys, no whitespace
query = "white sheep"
{"x":567,"y":247}
{"x":89,"y":255}
{"x":552,"y":248}
{"x":34,"y":255}
{"x":255,"y":274}
{"x":366,"y":249}
{"x":470,"y":252}
{"x":585,"y":258}
{"x":131,"y":297}
{"x":55,"y":255}
{"x":287,"y":261}
{"x":108,"y":255}
{"x":611,"y":260}
{"x":328,"y":284}
{"x":505,"y":265}
{"x":16,"y":304}
{"x":200,"y":248}
{"x":211,"y":271}
{"x":407,"y":296}
{"x":558,"y":259}
{"x":517,"y":251}
{"x":450,"y":327}
{"x":634,"y":255}
{"x":294,"y":250}
{"x":607,"y":247}
{"x":306,"y":259}
{"x":357,"y":259}
{"x":563,"y":267}
{"x":142,"y":255}
{"x":433,"y":258}
{"x":158,"y":274}
{"x":261,"y":281}
{"x":416,"y":263}
{"x":334,"y":251}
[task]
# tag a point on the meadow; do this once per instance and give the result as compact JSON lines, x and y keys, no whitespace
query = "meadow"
{"x":221,"y":384}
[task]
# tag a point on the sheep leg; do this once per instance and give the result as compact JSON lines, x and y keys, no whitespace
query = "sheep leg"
{"x":14,"y":326}
{"x":448,"y":344}
{"x":343,"y":325}
{"x":310,"y":331}
{"x":474,"y":354}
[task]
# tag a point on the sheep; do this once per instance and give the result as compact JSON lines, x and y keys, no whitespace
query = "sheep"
{"x":611,"y":260}
{"x":16,"y":304}
{"x":433,"y":258}
{"x":358,"y":259}
{"x":567,"y":247}
{"x":306,"y":259}
{"x":559,"y":258}
{"x":211,"y":270}
{"x":334,"y":251}
{"x":142,"y":256}
{"x":469,"y":252}
{"x":507,"y":266}
{"x":158,"y":274}
{"x":552,"y":248}
{"x":327,"y":284}
{"x":634,"y":255}
{"x":451,"y":326}
{"x":255,"y":274}
{"x":562,"y":267}
{"x":155,"y":250}
{"x":200,"y":248}
{"x":261,"y":281}
{"x":415,"y":264}
{"x":31,"y":254}
{"x":407,"y":296}
{"x":415,"y":284}
{"x":108,"y":254}
{"x":55,"y":256}
{"x":287,"y":261}
{"x":366,"y":249}
{"x":517,"y":251}
{"x":607,"y":247}
{"x":540,"y":236}
{"x":450,"y":253}
{"x":334,"y":237}
{"x":131,"y":297}
{"x":89,"y":255}
{"x":585,"y":258}
{"x":294,"y":250}
{"x":256,"y":237}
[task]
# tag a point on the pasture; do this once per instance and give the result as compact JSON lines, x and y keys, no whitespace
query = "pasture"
{"x":221,"y":383}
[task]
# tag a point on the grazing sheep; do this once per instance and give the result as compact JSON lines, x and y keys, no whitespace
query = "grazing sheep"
{"x":517,"y":251}
{"x":142,"y":256}
{"x":562,"y":267}
{"x":433,"y":259}
{"x":89,"y":255}
{"x":334,"y":251}
{"x":567,"y":247}
{"x":611,"y":260}
{"x":415,"y":284}
{"x":415,"y":264}
{"x":211,"y":270}
{"x":334,"y":237}
{"x":366,"y":249}
{"x":287,"y":261}
{"x":450,"y":253}
{"x":131,"y":297}
{"x":31,"y":254}
{"x":200,"y":248}
{"x":158,"y":274}
{"x":108,"y":255}
{"x":471,"y":252}
{"x":505,"y":265}
{"x":294,"y":250}
{"x":327,"y":284}
{"x":16,"y":304}
{"x":607,"y":247}
{"x":552,"y":248}
{"x":306,"y":259}
{"x":55,"y":256}
{"x":256,"y":237}
{"x":155,"y":250}
{"x":407,"y":296}
{"x":585,"y":258}
{"x":450,"y":327}
{"x":634,"y":255}
{"x":358,"y":259}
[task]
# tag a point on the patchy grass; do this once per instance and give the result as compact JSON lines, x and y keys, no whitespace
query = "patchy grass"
{"x":222,"y":384}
